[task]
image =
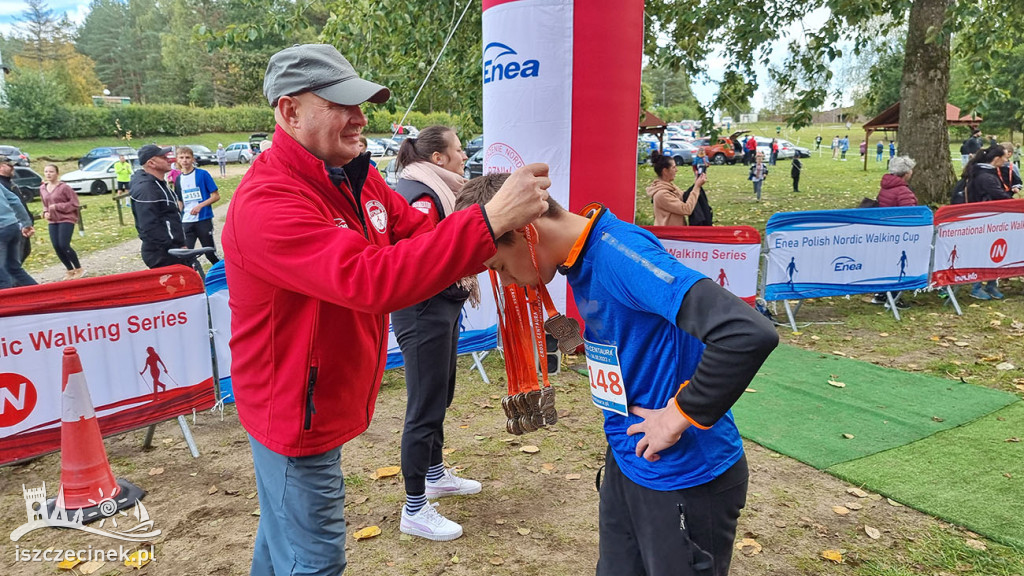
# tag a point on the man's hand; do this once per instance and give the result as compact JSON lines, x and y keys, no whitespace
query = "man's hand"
{"x":661,"y":429}
{"x":195,"y":210}
{"x":28,"y":231}
{"x":521,"y":199}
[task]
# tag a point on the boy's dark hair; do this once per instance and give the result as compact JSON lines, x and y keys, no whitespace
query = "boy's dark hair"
{"x":481,"y":189}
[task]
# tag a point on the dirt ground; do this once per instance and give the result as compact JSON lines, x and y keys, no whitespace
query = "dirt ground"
{"x":536,"y":515}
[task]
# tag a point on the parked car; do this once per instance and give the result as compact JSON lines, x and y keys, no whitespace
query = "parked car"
{"x":680,"y":151}
{"x":390,"y":173}
{"x":239,"y":152}
{"x":20,"y":158}
{"x":96,"y":178}
{"x":374,"y":147}
{"x":104,"y":152}
{"x":475,"y":165}
{"x":26,"y":183}
{"x":798,"y":151}
{"x":786,"y":150}
{"x":255,"y":141}
{"x":390,"y":146}
{"x":203,"y":155}
{"x":474,"y":145}
{"x":720,"y":152}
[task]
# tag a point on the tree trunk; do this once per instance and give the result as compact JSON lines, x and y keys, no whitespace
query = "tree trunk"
{"x":923,"y":134}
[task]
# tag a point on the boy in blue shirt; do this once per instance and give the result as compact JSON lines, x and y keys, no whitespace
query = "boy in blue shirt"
{"x":196,"y":192}
{"x":665,"y":372}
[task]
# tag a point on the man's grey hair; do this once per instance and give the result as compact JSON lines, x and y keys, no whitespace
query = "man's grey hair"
{"x":901,"y":165}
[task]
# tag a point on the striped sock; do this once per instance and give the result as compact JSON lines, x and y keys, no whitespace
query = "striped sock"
{"x":435,"y":473}
{"x":414,"y":502}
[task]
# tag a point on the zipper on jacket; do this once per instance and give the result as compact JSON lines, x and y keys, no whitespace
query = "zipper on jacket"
{"x":310,"y":408}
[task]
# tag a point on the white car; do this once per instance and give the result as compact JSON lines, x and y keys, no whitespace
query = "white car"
{"x":239,"y":152}
{"x":96,"y":178}
{"x":374,"y":147}
{"x":764,"y":145}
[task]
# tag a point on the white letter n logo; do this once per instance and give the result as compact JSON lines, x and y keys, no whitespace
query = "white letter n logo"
{"x":6,"y":397}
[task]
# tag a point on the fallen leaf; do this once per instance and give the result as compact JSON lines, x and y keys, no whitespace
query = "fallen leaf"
{"x":751,"y":390}
{"x":500,"y":521}
{"x":496,"y":561}
{"x":406,"y":538}
{"x":937,"y":419}
{"x":872,"y":533}
{"x":976,"y":544}
{"x":156,"y":471}
{"x":138,"y":559}
{"x":548,"y":466}
{"x":848,"y":436}
{"x":464,"y":426}
{"x":386,"y":472}
{"x":883,"y":334}
{"x":529,"y":449}
{"x":749,"y":546}
{"x":212,"y":490}
{"x":1005,"y":366}
{"x":68,"y":564}
{"x":447,"y":451}
{"x":255,"y":512}
{"x":250,"y":495}
{"x":455,"y":559}
{"x":231,"y":491}
{"x":480,"y":437}
{"x":780,"y":524}
{"x":523,"y":531}
{"x":815,"y":337}
{"x":368,"y":532}
{"x":893,"y":503}
{"x":934,"y":338}
{"x":572,"y":476}
{"x":837,"y":383}
{"x":853,"y":506}
{"x":961,"y":343}
{"x":857,"y":492}
{"x":359,"y":499}
{"x":832,"y":555}
{"x":1007,"y":474}
{"x":838,"y":353}
{"x":995,"y":323}
{"x":1014,"y":439}
{"x":841,"y":510}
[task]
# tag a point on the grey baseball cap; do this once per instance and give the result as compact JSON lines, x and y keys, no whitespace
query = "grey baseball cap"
{"x":322,"y":70}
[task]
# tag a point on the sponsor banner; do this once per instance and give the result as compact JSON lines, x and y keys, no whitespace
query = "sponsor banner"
{"x":478,"y":327}
{"x":220,"y":324}
{"x":143,"y":339}
{"x":838,"y":252}
{"x":726,"y":254}
{"x":978,"y":242}
{"x":527,"y":94}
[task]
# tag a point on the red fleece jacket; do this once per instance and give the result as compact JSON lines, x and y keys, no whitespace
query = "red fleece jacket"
{"x":313,"y":272}
{"x":895,"y":192}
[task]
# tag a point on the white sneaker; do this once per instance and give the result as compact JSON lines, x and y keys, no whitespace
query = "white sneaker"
{"x":451,"y":485}
{"x":428,"y":523}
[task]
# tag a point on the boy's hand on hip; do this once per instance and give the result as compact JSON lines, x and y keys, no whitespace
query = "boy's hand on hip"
{"x":661,"y":429}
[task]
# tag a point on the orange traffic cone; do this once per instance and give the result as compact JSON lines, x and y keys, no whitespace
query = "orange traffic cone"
{"x":87,"y":482}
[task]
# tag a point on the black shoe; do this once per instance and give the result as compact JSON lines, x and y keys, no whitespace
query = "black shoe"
{"x":900,"y":305}
{"x":880,"y":299}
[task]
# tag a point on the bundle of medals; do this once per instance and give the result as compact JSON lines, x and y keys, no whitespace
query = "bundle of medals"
{"x":529,"y":405}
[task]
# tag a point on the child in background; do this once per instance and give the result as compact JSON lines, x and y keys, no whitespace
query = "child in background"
{"x":758,"y":172}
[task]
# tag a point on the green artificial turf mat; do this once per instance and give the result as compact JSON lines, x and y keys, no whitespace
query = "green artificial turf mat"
{"x":796,"y":411}
{"x":970,"y":475}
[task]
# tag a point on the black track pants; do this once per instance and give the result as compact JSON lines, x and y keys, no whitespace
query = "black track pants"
{"x":428,"y":334}
{"x":642,"y":533}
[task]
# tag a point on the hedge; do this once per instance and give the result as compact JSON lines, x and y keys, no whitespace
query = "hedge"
{"x":142,"y":120}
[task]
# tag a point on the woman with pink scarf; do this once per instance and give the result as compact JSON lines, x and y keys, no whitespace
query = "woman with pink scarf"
{"x":430,"y":177}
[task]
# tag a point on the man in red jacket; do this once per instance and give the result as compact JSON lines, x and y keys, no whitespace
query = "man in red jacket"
{"x":318,"y":250}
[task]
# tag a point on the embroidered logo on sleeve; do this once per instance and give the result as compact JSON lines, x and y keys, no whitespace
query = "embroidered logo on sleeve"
{"x":378,"y":215}
{"x":422,"y":206}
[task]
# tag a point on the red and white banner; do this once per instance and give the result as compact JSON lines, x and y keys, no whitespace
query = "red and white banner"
{"x":978,"y":242}
{"x":726,"y":254}
{"x":562,"y":86}
{"x":143,"y":338}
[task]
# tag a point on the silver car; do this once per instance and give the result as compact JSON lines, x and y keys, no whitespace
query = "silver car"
{"x":680,"y":151}
{"x":239,"y":152}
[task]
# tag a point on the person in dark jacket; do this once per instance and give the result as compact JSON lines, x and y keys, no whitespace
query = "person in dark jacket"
{"x":794,"y":172}
{"x":676,"y":475}
{"x":428,"y":333}
{"x":895,"y":191}
{"x":1009,"y":176}
{"x":983,"y":185}
{"x":155,"y":207}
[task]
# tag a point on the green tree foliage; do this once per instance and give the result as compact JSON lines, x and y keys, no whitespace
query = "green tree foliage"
{"x":123,"y":38}
{"x":884,"y":80}
{"x":36,"y":102}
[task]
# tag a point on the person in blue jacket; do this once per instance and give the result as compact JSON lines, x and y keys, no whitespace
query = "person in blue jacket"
{"x":668,"y":352}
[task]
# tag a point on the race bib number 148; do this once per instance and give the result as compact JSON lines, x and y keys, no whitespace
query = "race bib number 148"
{"x":607,"y":388}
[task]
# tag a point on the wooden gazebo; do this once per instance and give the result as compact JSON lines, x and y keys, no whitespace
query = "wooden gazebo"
{"x":889,"y":119}
{"x":651,"y":124}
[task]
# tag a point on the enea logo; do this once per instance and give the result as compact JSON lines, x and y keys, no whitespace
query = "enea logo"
{"x":17,"y":399}
{"x":500,"y":63}
{"x":998,"y":251}
{"x":845,"y":264}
